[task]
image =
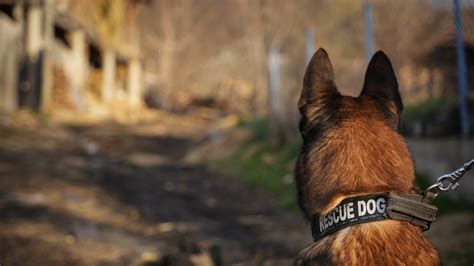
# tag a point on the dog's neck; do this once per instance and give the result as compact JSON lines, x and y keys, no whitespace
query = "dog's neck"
{"x":349,"y":162}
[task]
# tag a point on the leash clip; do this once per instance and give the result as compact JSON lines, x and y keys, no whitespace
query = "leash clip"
{"x":450,"y":181}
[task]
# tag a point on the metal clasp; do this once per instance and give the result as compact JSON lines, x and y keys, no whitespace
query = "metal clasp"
{"x":450,"y":181}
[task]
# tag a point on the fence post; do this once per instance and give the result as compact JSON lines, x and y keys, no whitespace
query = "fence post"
{"x":47,"y":67}
{"x":309,"y":44}
{"x":369,"y":31}
{"x":275,"y":101}
{"x":462,"y":71}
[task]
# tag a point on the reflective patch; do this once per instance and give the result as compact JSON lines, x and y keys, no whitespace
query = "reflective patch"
{"x":351,"y":211}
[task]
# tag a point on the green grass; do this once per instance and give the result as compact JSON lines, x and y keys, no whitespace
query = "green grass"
{"x":258,"y":128}
{"x":258,"y":163}
{"x":425,"y":110}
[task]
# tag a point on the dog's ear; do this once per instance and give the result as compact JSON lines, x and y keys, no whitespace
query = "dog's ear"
{"x":380,"y":81}
{"x":318,"y":81}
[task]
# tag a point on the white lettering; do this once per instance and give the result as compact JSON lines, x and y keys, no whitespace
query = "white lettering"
{"x":347,"y":211}
{"x":350,"y":210}
{"x":343,"y":214}
{"x":381,"y":205}
{"x":361,"y":207}
{"x":371,"y":206}
{"x":336,"y":214}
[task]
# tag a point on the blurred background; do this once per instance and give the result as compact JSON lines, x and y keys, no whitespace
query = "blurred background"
{"x":164,"y":132}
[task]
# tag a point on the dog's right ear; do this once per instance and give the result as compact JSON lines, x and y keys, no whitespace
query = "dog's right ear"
{"x":319,"y":82}
{"x":380,"y":81}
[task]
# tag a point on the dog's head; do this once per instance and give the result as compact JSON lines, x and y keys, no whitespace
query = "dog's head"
{"x":351,"y":145}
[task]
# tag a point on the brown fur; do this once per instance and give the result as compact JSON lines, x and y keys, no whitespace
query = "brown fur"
{"x":352,"y":146}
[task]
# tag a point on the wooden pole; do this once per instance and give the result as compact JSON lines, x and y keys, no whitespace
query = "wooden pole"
{"x":108,"y":78}
{"x":134,"y":83}
{"x":34,"y":41}
{"x":79,"y":67}
{"x":134,"y":78}
{"x":11,"y":33}
{"x":47,"y":65}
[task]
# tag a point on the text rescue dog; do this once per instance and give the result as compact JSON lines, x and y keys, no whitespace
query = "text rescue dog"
{"x":361,"y":209}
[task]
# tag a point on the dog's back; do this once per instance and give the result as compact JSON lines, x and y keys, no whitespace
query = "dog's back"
{"x":352,"y":147}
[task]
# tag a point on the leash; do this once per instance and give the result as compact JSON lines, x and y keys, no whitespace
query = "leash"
{"x":414,"y":208}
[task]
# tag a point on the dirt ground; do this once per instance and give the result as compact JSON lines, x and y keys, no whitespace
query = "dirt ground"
{"x":111,"y":194}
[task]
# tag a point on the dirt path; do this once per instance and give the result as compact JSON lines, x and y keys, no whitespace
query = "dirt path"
{"x":122,"y":195}
{"x":109,"y":194}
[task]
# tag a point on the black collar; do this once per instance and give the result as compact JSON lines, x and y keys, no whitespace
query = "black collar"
{"x":374,"y":207}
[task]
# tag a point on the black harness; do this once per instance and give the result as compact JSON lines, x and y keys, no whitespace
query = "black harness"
{"x":414,"y":208}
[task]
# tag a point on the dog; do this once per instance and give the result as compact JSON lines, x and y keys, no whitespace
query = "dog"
{"x":351,"y":146}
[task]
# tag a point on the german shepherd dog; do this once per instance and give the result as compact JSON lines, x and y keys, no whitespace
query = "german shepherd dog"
{"x":351,"y":146}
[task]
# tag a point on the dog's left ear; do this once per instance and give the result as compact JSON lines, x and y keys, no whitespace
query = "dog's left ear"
{"x":319,"y":81}
{"x":380,"y":81}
